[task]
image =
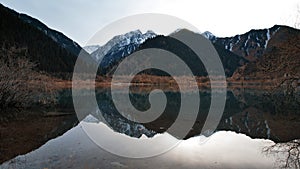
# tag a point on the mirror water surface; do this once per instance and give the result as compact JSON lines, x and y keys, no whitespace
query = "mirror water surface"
{"x":252,"y":124}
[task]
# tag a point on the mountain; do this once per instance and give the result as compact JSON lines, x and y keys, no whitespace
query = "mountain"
{"x":272,"y":53}
{"x":56,"y":36}
{"x":119,"y":47}
{"x":128,"y":41}
{"x":123,"y":47}
{"x":250,"y":45}
{"x":208,"y":35}
{"x":230,"y":61}
{"x":92,"y":48}
{"x":280,"y":59}
{"x":235,"y":52}
{"x":52,"y":51}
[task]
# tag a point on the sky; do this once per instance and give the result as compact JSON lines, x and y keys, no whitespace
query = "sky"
{"x":81,"y":19}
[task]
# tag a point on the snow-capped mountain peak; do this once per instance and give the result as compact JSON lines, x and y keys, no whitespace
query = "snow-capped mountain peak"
{"x":208,"y":35}
{"x":91,"y":48}
{"x":117,"y":43}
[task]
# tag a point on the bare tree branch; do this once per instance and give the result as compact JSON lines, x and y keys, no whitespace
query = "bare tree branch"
{"x":20,"y":85}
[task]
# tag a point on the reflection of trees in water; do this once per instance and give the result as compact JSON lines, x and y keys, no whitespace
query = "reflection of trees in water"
{"x":285,"y":95}
{"x":288,"y":153}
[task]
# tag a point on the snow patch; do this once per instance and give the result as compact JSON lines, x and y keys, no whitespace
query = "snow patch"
{"x":245,"y":45}
{"x":276,"y":31}
{"x":118,"y":43}
{"x":268,"y":37}
{"x":230,"y":49}
{"x":268,"y":129}
{"x":208,"y":35}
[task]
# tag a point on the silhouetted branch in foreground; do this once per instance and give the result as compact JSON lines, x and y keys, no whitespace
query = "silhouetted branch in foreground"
{"x":288,"y":153}
{"x":20,"y":85}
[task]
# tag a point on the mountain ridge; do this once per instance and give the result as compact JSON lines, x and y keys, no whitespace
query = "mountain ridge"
{"x":57,"y":36}
{"x":45,"y":45}
{"x":50,"y":50}
{"x":250,"y":45}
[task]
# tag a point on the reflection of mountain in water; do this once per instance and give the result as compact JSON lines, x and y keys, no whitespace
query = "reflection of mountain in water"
{"x":254,"y":113}
{"x":250,"y":112}
{"x":258,"y":118}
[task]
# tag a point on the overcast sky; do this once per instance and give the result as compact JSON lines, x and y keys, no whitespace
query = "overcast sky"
{"x":81,"y":19}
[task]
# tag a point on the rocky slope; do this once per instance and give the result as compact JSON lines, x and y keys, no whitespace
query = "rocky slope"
{"x":250,"y":45}
{"x":118,"y":48}
{"x":280,"y":59}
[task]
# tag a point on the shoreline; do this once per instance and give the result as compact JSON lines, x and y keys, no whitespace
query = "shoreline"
{"x":169,"y":83}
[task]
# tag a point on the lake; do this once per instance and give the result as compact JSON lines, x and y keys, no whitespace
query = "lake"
{"x":252,"y":122}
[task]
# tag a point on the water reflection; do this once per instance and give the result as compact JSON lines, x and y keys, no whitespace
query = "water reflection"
{"x":250,"y":112}
{"x":30,"y":130}
{"x":75,"y":150}
{"x":254,"y":113}
{"x":288,"y":154}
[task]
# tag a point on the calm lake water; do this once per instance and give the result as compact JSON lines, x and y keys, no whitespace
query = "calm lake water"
{"x":252,"y":121}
